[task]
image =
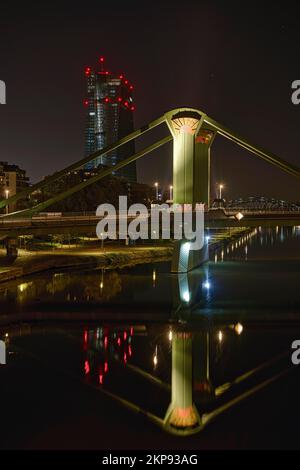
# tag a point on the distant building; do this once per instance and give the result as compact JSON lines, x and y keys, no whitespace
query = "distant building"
{"x":109,"y":117}
{"x":12,"y":180}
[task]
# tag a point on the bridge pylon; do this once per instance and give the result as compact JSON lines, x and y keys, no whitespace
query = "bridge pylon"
{"x":192,"y":140}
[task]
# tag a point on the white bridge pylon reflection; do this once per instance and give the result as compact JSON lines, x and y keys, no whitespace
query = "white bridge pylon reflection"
{"x":191,"y":361}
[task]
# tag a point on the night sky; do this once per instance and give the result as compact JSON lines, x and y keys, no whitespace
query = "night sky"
{"x":234,"y":62}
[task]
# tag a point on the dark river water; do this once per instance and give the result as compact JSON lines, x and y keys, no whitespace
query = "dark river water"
{"x":141,"y":358}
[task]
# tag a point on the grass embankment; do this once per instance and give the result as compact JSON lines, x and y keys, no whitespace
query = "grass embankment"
{"x":35,"y":262}
{"x":31,"y":262}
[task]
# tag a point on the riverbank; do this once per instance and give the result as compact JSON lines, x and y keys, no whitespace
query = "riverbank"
{"x":110,"y":257}
{"x":29,"y":262}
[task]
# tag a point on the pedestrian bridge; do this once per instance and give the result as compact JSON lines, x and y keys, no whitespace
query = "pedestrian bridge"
{"x":86,"y":224}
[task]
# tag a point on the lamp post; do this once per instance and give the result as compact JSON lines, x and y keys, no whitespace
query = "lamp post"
{"x":171,"y":193}
{"x":156,"y":189}
{"x":6,"y":195}
{"x":221,"y":186}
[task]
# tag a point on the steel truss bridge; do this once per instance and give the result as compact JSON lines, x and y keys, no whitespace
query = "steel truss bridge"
{"x":263,"y":204}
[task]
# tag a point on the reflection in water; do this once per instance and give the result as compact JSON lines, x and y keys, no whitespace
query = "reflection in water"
{"x":182,"y":414}
{"x":228,"y":275}
{"x":184,"y":371}
{"x":180,"y":377}
{"x":102,"y":345}
{"x":65,"y":286}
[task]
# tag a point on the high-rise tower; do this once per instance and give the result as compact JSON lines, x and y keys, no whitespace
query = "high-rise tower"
{"x":109,"y":117}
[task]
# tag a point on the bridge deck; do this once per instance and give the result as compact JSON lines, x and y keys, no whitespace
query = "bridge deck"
{"x":14,"y":227}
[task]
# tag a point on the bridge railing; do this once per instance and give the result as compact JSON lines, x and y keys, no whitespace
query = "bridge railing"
{"x":244,"y":211}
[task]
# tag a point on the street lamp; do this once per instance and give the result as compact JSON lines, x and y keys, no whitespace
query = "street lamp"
{"x":6,"y":195}
{"x":156,"y":188}
{"x":171,"y":193}
{"x":155,"y":358}
{"x":221,"y":186}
